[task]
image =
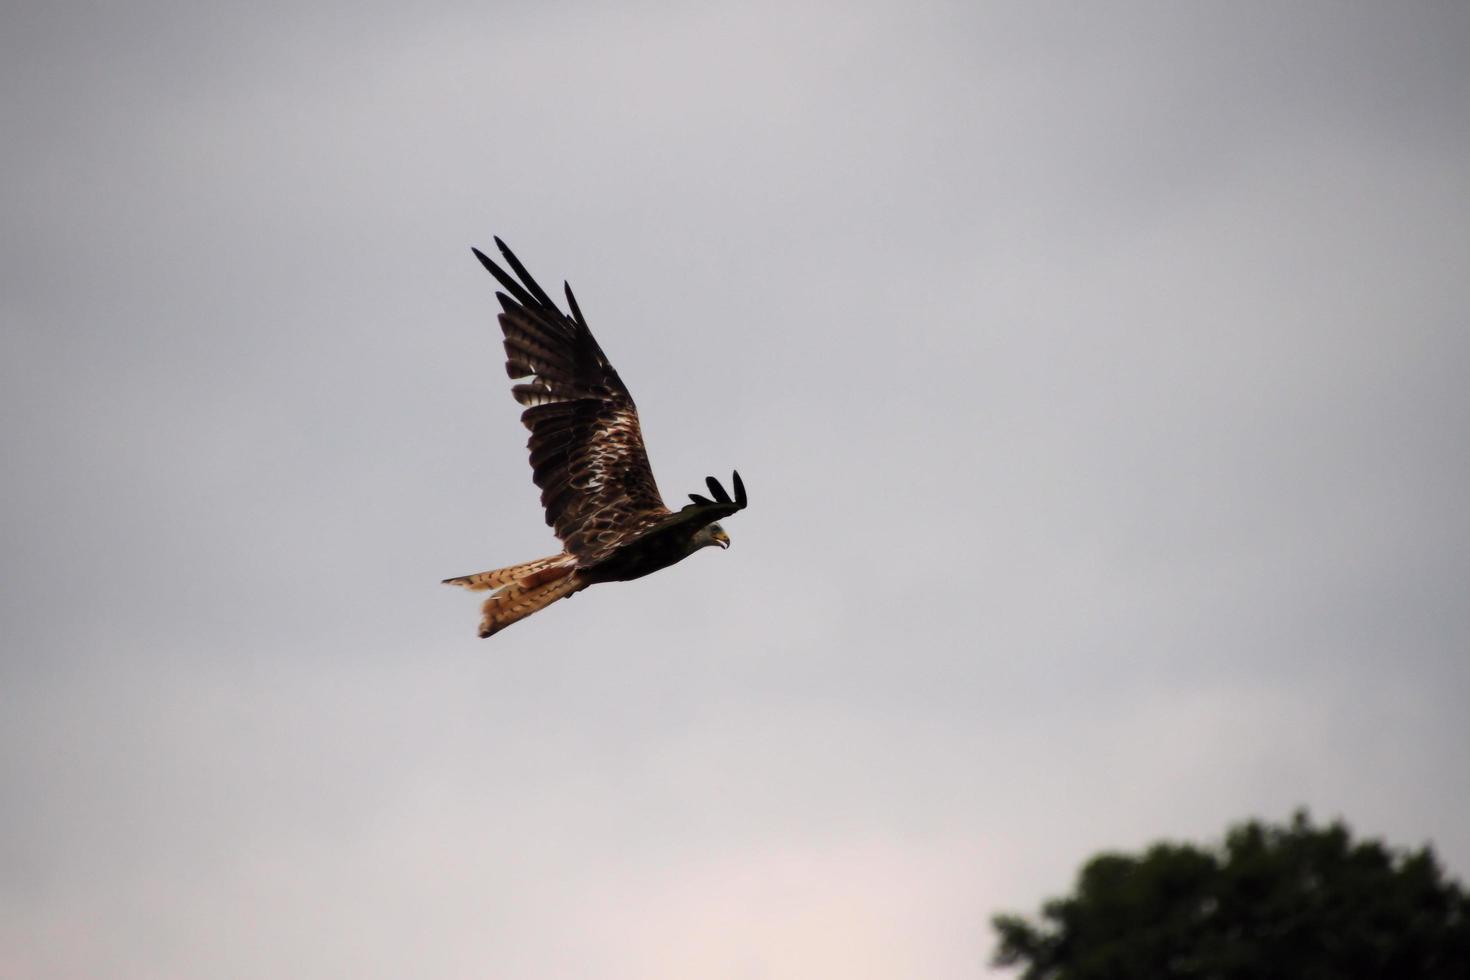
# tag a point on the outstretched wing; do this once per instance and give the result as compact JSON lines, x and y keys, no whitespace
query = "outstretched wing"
{"x":587,"y":452}
{"x":705,"y":510}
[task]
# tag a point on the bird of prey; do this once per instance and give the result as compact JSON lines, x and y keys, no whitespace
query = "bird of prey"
{"x":588,"y":459}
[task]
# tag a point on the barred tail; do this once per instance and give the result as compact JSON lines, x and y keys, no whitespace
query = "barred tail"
{"x":516,"y":601}
{"x":482,"y":581}
{"x":521,"y":589}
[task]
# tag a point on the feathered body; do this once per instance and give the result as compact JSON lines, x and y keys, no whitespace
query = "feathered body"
{"x":587,"y":456}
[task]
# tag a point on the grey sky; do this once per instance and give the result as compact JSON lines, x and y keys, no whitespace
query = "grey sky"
{"x":1099,"y":377}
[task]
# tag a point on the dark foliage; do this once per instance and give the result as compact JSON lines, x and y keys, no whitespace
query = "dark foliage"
{"x":1295,"y":901}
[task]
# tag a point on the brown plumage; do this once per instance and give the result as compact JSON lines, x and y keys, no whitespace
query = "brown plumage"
{"x":587,"y":457}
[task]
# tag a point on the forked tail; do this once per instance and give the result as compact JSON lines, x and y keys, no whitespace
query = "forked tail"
{"x":521,"y":589}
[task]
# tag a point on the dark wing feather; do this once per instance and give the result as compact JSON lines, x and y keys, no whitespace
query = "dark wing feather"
{"x":587,"y":452}
{"x":705,"y":510}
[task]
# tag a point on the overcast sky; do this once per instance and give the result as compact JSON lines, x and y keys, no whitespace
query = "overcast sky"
{"x":1098,"y":373}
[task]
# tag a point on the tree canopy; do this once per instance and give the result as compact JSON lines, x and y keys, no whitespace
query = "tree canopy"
{"x":1290,"y":901}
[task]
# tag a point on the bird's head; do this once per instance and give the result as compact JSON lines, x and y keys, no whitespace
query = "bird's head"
{"x":711,"y":534}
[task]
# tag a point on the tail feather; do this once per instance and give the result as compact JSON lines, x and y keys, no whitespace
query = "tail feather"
{"x":517,"y":601}
{"x":520,"y":590}
{"x":494,"y":579}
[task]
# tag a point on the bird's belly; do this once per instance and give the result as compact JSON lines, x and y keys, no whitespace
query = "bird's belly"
{"x":635,"y":561}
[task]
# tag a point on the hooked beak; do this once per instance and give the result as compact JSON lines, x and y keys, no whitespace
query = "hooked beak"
{"x":722,"y":539}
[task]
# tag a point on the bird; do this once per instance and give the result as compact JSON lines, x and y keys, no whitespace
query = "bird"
{"x":588,"y":459}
